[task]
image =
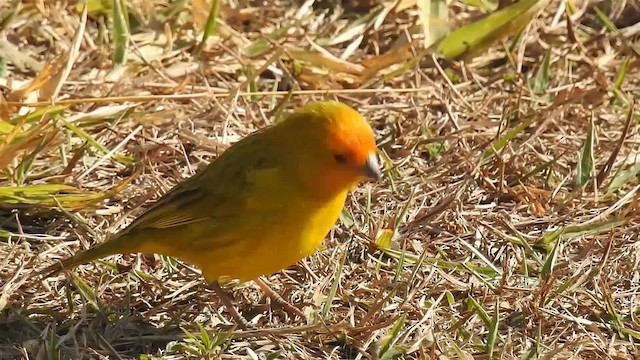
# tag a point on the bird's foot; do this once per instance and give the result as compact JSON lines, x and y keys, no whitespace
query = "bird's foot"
{"x":275,"y":297}
{"x":224,"y":297}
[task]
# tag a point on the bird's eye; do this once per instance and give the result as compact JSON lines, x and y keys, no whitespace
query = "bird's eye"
{"x":340,"y":159}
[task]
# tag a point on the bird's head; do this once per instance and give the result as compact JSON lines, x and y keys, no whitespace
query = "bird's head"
{"x":335,"y":146}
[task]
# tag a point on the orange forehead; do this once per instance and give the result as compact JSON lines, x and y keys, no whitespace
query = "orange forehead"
{"x":347,"y":130}
{"x":353,"y":135}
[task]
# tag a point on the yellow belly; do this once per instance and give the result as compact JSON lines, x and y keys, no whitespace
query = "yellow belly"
{"x":273,"y":248}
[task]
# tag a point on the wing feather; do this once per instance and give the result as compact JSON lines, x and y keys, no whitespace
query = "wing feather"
{"x":224,"y":195}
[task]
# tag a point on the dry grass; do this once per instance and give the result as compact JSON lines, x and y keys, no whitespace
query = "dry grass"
{"x":492,"y":231}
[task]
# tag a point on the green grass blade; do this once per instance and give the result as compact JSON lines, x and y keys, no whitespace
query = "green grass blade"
{"x":550,"y":262}
{"x":623,"y":177}
{"x":484,"y":32}
{"x":47,"y":196}
{"x":387,"y":340}
{"x":481,"y":256}
{"x":586,"y":168}
{"x":89,"y":139}
{"x":86,"y":291}
{"x":472,"y":304}
{"x":605,"y":20}
{"x":210,"y":26}
{"x":346,"y":218}
{"x":492,"y":336}
{"x":120,"y":32}
{"x":37,"y":115}
{"x":505,"y":139}
{"x":622,"y":74}
{"x":334,"y":286}
{"x":541,"y":81}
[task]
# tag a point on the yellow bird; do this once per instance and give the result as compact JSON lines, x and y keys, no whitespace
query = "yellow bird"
{"x":264,"y":204}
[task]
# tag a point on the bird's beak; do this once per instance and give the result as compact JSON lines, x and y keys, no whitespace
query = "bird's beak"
{"x":372,"y":167}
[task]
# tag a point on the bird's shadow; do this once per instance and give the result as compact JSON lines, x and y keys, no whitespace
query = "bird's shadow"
{"x":119,"y":322}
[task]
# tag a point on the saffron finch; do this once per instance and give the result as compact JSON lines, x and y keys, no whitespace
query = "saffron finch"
{"x":264,"y":204}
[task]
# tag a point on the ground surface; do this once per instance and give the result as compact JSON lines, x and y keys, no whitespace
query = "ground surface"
{"x":506,"y":224}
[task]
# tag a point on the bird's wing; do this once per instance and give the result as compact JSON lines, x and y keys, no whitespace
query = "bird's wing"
{"x":244,"y":182}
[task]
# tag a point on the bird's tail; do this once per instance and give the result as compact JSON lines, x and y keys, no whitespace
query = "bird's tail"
{"x":110,"y":247}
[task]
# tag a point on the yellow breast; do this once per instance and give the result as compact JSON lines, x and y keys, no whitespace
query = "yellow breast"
{"x":277,"y":246}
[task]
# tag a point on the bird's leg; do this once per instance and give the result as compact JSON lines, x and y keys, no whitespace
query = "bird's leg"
{"x":224,"y":297}
{"x":290,"y":309}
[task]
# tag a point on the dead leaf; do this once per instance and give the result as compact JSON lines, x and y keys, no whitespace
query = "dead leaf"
{"x":51,"y":89}
{"x":38,"y":81}
{"x":4,"y":109}
{"x":398,"y":55}
{"x":324,"y":59}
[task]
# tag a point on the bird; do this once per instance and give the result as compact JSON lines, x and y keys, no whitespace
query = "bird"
{"x":262,"y":205}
